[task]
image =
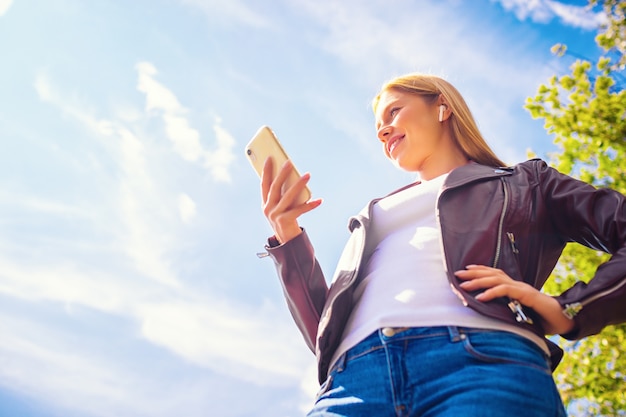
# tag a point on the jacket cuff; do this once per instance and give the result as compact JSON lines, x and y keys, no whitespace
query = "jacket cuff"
{"x":584,"y":323}
{"x":272,"y":241}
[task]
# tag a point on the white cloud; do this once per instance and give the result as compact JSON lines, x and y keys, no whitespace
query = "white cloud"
{"x":538,"y":10}
{"x":543,"y":11}
{"x":62,"y":375}
{"x":78,"y":373}
{"x":43,"y":87}
{"x":74,"y":375}
{"x":5,"y":5}
{"x":64,"y":281}
{"x":42,"y":206}
{"x":232,"y":10}
{"x":71,"y":107}
{"x":413,"y":41}
{"x":480,"y":64}
{"x":161,"y":100}
{"x":257,"y":345}
{"x":158,"y":97}
{"x":186,"y":208}
{"x":309,"y":387}
{"x":577,"y":16}
{"x":186,"y":140}
{"x":220,"y":160}
{"x":147,"y":211}
{"x":213,"y":333}
{"x":140,"y":230}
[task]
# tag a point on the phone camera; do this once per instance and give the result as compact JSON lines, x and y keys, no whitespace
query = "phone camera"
{"x":249,"y":152}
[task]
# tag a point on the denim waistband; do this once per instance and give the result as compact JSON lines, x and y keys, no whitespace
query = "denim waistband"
{"x":385,"y":335}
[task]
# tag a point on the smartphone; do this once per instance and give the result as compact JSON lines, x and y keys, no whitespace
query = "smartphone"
{"x":265,"y":144}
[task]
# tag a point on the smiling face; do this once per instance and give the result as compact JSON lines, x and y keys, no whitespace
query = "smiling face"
{"x":413,"y":137}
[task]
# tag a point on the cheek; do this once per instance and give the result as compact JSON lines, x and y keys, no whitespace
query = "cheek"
{"x":425,"y":128}
{"x":414,"y":122}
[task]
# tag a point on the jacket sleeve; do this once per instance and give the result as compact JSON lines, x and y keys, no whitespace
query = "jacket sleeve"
{"x":595,"y":218}
{"x":302,"y":281}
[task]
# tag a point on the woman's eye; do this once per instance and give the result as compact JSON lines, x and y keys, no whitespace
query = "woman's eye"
{"x":394,"y":111}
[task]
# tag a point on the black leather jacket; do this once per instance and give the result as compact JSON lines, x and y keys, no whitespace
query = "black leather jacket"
{"x":517,"y":219}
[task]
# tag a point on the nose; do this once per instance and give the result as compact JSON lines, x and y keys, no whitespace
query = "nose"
{"x":383,"y":133}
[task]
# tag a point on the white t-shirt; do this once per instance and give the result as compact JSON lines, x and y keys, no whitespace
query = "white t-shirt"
{"x":404,"y":282}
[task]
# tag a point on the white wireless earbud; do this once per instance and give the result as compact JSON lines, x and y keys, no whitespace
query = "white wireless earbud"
{"x":442,"y":108}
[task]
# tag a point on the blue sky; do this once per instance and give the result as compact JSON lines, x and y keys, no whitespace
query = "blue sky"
{"x":130,"y":219}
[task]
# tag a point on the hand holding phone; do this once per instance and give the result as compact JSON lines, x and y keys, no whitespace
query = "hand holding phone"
{"x":282,"y":214}
{"x":265,"y":144}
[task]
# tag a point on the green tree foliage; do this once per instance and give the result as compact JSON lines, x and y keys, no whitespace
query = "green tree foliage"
{"x":585,"y":110}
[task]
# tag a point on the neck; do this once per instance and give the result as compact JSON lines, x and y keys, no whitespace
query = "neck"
{"x":437,"y":168}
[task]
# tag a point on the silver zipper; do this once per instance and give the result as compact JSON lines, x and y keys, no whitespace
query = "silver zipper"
{"x":511,"y":237}
{"x":505,"y":206}
{"x":514,"y":305}
{"x":518,"y":310}
{"x":573,"y":309}
{"x":569,"y":310}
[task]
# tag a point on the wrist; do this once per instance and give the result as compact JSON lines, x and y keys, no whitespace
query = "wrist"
{"x":555,"y":321}
{"x":286,"y":234}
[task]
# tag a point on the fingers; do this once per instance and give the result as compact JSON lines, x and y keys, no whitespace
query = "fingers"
{"x":479,"y":276}
{"x":266,"y":178}
{"x":514,"y":292}
{"x":279,"y":195}
{"x":479,"y":270}
{"x":273,"y":185}
{"x":306,"y":207}
{"x":276,"y":186}
{"x":495,"y":283}
{"x":291,"y":195}
{"x":281,"y":204}
{"x":271,"y":182}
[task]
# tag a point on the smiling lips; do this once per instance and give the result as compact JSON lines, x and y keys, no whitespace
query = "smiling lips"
{"x":393,"y":142}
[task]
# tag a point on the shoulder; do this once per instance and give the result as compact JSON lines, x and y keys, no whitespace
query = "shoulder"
{"x":552,"y":182}
{"x":534,"y":165}
{"x":535,"y":171}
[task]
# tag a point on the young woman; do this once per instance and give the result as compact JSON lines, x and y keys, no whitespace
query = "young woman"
{"x":435,"y":307}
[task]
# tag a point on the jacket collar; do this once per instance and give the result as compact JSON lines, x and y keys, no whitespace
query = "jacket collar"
{"x":473,"y":171}
{"x":462,"y":175}
{"x":465,"y":174}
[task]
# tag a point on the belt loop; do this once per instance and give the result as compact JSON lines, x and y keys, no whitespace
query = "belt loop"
{"x":340,"y":365}
{"x":455,"y":334}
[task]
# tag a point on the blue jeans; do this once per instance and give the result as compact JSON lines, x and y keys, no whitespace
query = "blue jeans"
{"x":440,"y":371}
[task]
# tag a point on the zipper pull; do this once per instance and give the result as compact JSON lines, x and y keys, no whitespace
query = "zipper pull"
{"x":517,"y":309}
{"x":571,"y":310}
{"x":262,"y":255}
{"x":511,"y":237}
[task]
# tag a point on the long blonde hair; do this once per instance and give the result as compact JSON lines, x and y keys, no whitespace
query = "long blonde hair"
{"x":465,"y":133}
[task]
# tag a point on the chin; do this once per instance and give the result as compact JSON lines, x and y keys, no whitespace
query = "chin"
{"x":402,"y":167}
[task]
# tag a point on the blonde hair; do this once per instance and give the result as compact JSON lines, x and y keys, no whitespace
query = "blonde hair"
{"x":465,"y":133}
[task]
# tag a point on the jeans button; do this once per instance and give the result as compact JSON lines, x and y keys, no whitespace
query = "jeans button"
{"x":389,"y":331}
